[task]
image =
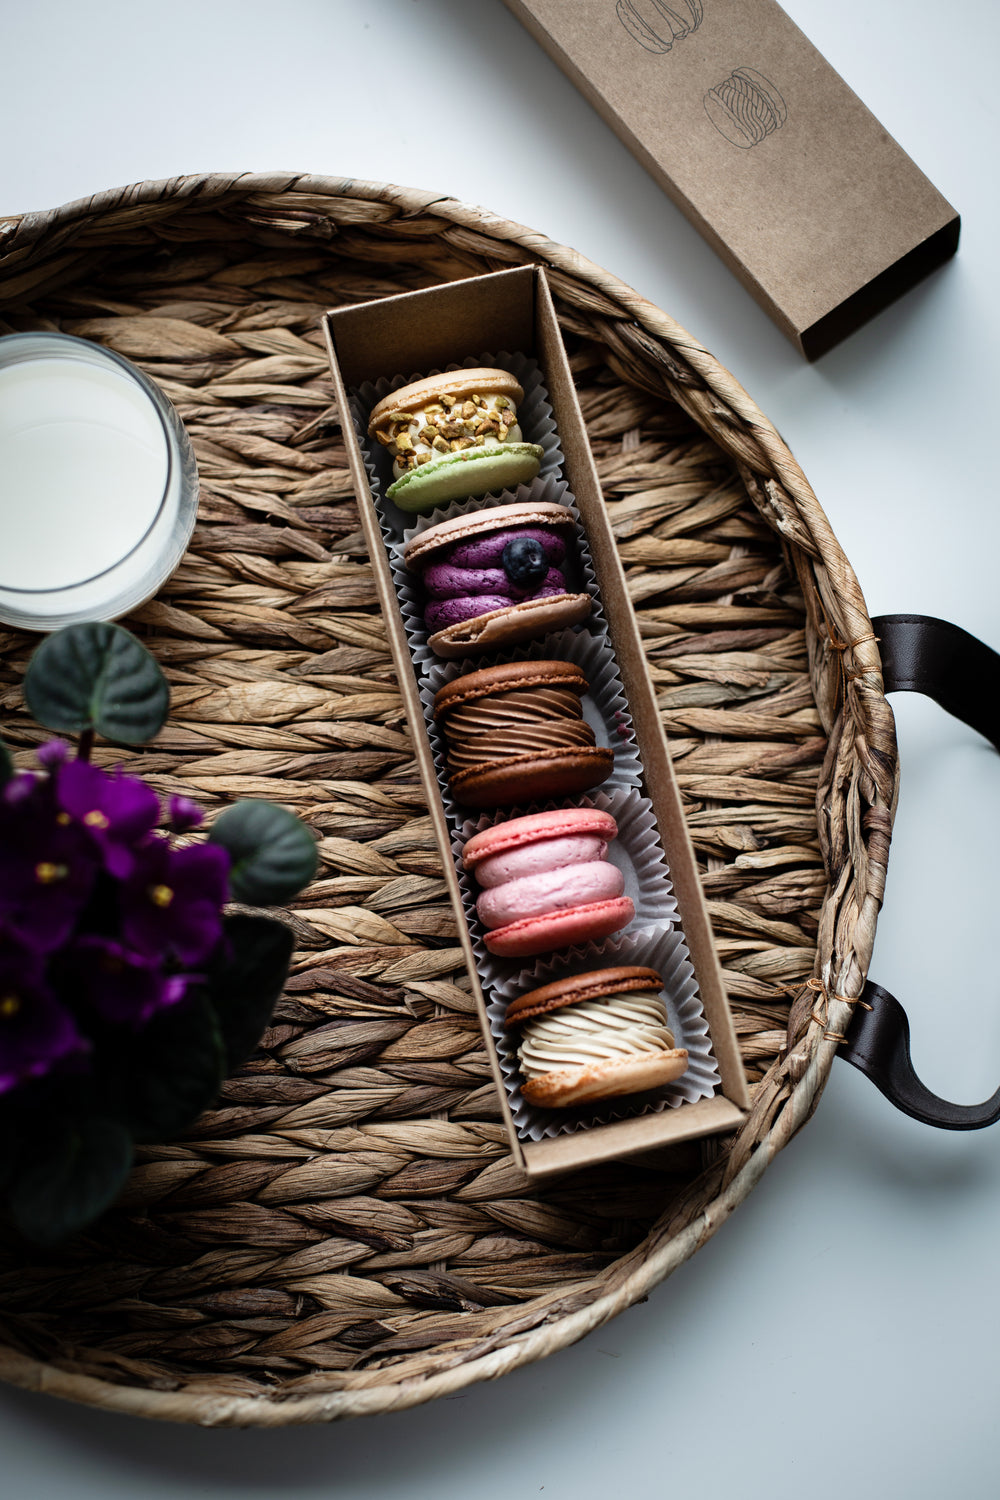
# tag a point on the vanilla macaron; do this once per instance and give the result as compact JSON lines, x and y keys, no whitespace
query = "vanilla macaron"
{"x":454,"y":437}
{"x":595,"y":1036}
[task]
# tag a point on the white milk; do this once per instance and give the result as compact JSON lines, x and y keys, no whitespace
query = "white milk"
{"x":98,"y":489}
{"x":83,"y":470}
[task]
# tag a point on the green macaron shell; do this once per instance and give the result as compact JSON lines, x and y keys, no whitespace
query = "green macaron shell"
{"x":466,"y":474}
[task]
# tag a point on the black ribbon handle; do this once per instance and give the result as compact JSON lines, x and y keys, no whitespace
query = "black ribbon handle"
{"x":924,"y":655}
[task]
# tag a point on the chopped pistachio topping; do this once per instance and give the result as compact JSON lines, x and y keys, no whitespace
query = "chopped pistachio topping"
{"x":447,"y":425}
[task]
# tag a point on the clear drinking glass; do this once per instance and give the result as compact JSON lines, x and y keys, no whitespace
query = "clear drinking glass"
{"x":98,"y":483}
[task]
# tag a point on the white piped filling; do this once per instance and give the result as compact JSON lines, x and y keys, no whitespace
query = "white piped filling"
{"x":595,"y":1031}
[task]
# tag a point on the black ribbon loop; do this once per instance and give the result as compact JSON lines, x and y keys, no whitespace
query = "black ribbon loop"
{"x":923,"y":655}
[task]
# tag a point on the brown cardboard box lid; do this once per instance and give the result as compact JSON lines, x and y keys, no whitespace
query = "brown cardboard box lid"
{"x":796,"y":185}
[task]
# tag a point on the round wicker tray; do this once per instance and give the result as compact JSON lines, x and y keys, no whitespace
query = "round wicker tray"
{"x":345,"y":1233}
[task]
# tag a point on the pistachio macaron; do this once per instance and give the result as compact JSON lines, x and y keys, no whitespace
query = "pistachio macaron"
{"x":595,"y":1036}
{"x":454,"y":437}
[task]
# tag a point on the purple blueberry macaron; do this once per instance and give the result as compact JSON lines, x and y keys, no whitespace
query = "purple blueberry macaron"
{"x":495,"y":577}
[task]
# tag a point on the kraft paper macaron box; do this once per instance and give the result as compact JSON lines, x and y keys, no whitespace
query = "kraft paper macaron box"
{"x":773,"y":158}
{"x":577,"y":644}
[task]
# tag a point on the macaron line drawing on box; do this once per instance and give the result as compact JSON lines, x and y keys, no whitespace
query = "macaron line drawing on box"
{"x":745,"y":108}
{"x":495,"y":577}
{"x":545,"y":882}
{"x":656,"y":25}
{"x":454,"y":436}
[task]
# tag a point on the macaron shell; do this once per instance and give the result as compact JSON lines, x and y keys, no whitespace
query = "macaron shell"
{"x":537,"y":777}
{"x":556,"y":823}
{"x":510,"y":626}
{"x":508,"y":677}
{"x":420,"y":548}
{"x":482,"y":381}
{"x":597,"y":984}
{"x":632,"y":1075}
{"x":561,"y":929}
{"x":466,"y":475}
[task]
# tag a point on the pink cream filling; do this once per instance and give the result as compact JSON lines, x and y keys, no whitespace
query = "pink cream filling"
{"x":539,"y":857}
{"x":552,"y":890}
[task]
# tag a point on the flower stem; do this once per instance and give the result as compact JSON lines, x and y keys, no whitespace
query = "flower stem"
{"x":86,"y":744}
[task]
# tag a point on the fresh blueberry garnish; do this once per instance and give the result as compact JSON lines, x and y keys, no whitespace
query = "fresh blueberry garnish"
{"x":524,"y":562}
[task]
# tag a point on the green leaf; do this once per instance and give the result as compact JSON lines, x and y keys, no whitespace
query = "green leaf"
{"x":171,"y":1073}
{"x":247,"y":982}
{"x":6,"y":764}
{"x":97,"y":676}
{"x":273,"y":854}
{"x":67,"y":1176}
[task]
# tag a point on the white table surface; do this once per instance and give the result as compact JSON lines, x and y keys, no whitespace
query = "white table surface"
{"x":838,"y":1337}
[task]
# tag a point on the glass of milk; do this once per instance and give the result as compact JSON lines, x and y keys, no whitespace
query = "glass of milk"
{"x":98,"y":483}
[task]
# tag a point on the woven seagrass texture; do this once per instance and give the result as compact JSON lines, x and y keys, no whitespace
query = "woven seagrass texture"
{"x":345,"y":1232}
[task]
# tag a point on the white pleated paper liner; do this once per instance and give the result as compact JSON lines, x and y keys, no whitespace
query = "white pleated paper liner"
{"x":604,"y":706}
{"x":534,"y":415}
{"x":577,"y":567}
{"x":637,"y":852}
{"x":666,"y":952}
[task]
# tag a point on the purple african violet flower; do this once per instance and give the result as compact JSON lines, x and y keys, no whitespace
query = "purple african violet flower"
{"x":119,"y":985}
{"x":98,"y":911}
{"x":53,"y":753}
{"x":183,"y":814}
{"x":172,"y":902}
{"x":47,"y":865}
{"x":117,"y":811}
{"x":36,"y":1032}
{"x":18,"y":789}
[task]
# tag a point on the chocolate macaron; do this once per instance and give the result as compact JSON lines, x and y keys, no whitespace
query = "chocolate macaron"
{"x":494,"y":578}
{"x":453,"y":437}
{"x":595,"y":1036}
{"x":515,"y":733}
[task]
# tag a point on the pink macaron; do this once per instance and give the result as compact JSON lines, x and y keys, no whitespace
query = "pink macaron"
{"x":545,"y":882}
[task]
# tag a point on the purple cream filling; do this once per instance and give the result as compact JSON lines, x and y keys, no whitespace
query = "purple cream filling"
{"x":486,"y":551}
{"x":469,"y":580}
{"x":443,"y":612}
{"x":443,"y":581}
